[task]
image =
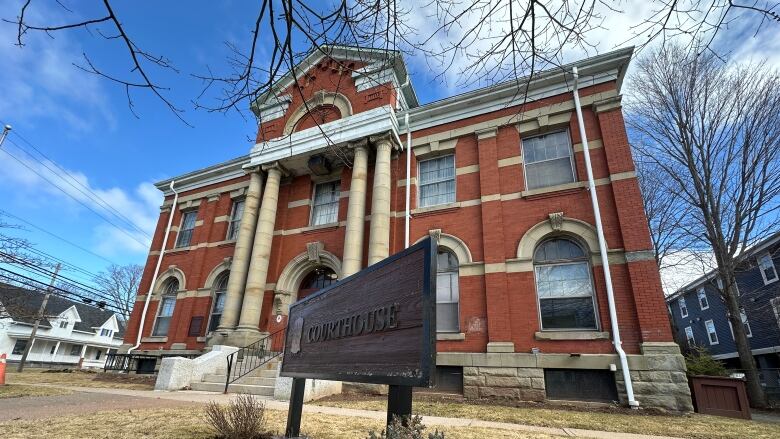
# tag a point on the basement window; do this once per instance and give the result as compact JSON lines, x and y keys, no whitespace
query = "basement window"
{"x":580,"y":385}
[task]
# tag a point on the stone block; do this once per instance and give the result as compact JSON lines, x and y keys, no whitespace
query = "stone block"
{"x":530,"y":372}
{"x":498,"y":371}
{"x":470,"y":392}
{"x":532,"y":395}
{"x":679,"y":377}
{"x":665,"y":362}
{"x":499,"y":381}
{"x":470,"y":371}
{"x":518,"y":360}
{"x":537,"y":383}
{"x":656,"y":348}
{"x":499,"y":392}
{"x":491,"y":360}
{"x":473,"y":380}
{"x":655,"y":376}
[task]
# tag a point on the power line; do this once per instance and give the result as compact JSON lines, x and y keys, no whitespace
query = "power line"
{"x":42,"y":253}
{"x":45,"y":271}
{"x":71,"y":196}
{"x":4,"y":212}
{"x":55,"y":290}
{"x":89,"y":192}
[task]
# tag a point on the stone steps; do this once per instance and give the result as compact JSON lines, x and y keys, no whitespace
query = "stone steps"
{"x":252,"y":380}
{"x":234,"y":388}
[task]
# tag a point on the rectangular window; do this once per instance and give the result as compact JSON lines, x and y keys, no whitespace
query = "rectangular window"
{"x":325,"y":207}
{"x":75,"y":350}
{"x":711,"y":333}
{"x":689,"y":336}
{"x":106,"y":332}
{"x":745,"y":322}
{"x":163,"y":321}
{"x":776,"y":308}
{"x":683,"y":307}
{"x":548,"y":160}
{"x":703,"y":303}
{"x":19,"y":347}
{"x":437,"y":181}
{"x":767,"y":267}
{"x":187,"y":227}
{"x":53,"y":350}
{"x":235,"y":219}
{"x":97,"y":354}
{"x":64,"y":324}
{"x":566,"y":296}
{"x":216,"y":313}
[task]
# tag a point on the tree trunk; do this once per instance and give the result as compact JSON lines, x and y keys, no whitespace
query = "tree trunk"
{"x":754,"y":390}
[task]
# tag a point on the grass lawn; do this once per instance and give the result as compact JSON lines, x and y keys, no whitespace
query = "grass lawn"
{"x":189,"y":423}
{"x":81,"y":379}
{"x":609,"y":419}
{"x":19,"y":390}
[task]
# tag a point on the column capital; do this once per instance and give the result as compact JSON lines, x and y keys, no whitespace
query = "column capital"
{"x":486,"y":133}
{"x":275,"y":167}
{"x":252,"y":169}
{"x":384,"y":141}
{"x":608,"y":104}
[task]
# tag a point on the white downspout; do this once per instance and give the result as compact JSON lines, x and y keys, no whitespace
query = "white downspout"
{"x":603,"y":250}
{"x":407,"y":216}
{"x":156,"y":269}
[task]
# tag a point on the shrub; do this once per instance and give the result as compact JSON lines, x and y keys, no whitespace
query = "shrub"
{"x":700,"y":362}
{"x":242,"y":418}
{"x":412,"y":430}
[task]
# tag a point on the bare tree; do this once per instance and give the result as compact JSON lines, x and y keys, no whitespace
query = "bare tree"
{"x":119,"y":283}
{"x":487,"y":41}
{"x":712,"y":131}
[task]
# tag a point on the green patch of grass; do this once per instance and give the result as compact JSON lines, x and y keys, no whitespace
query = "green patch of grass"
{"x":21,"y":390}
{"x":692,"y":425}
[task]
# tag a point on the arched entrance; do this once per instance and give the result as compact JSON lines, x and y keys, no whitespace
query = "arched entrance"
{"x":318,"y":279}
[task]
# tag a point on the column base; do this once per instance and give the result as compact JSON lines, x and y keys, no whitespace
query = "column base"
{"x":244,"y":336}
{"x":218,"y":337}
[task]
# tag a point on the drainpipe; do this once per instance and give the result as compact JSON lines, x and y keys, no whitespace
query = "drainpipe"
{"x":603,"y":250}
{"x":407,"y":217}
{"x":156,"y":269}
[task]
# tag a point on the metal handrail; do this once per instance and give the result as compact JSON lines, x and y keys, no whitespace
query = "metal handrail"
{"x":254,"y":355}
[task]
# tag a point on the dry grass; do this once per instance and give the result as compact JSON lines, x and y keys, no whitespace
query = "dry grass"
{"x":81,"y":379}
{"x":618,"y":420}
{"x":189,"y":423}
{"x":20,"y":390}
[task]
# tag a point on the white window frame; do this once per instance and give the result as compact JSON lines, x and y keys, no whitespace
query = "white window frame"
{"x":712,"y":333}
{"x":235,"y":223}
{"x":168,"y":294}
{"x":457,"y":302}
{"x":775,"y":302}
{"x":64,"y":324}
{"x":765,"y":262}
{"x":571,"y":158}
{"x":314,"y":200}
{"x":214,"y":302}
{"x":689,"y":337}
{"x":745,"y":323}
{"x":683,"y":307}
{"x":454,"y":181}
{"x":105,"y":332}
{"x":179,"y":235}
{"x":701,"y":293}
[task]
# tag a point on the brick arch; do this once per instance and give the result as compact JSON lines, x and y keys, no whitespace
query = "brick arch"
{"x":216,"y":272}
{"x":320,"y":98}
{"x":171,"y":272}
{"x":581,"y":231}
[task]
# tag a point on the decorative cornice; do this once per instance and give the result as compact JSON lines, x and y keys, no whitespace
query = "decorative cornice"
{"x":607,"y":104}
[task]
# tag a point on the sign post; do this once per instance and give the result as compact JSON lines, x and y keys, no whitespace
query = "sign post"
{"x":376,"y":326}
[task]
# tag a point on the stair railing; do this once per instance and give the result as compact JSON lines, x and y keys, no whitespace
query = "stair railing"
{"x":254,"y":355}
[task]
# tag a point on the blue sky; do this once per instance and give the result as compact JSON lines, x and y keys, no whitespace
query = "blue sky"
{"x":84,"y":125}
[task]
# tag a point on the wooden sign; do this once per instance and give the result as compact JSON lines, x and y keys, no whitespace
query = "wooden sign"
{"x":376,"y":326}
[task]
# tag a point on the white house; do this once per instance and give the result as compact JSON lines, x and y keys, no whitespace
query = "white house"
{"x":71,"y":333}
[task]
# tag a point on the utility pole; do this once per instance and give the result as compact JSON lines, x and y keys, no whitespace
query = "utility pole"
{"x":6,"y":129}
{"x":38,"y":319}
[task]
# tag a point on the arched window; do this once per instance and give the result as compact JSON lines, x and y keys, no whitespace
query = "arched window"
{"x":165,"y":310}
{"x":564,"y":286}
{"x":318,"y":279}
{"x":447,"y":292}
{"x":218,"y":304}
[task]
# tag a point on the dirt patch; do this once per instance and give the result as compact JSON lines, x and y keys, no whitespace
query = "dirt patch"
{"x":84,"y":378}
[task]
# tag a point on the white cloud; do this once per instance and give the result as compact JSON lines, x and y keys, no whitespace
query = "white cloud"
{"x":139,"y":206}
{"x":39,"y":79}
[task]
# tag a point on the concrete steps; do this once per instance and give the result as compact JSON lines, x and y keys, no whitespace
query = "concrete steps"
{"x":260,"y":381}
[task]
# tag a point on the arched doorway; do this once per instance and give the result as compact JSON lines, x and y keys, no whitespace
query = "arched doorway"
{"x":316,"y":280}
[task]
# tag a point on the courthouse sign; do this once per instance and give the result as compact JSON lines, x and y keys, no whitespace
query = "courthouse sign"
{"x":376,"y":326}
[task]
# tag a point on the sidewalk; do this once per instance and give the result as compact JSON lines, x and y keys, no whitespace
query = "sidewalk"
{"x":190,"y":397}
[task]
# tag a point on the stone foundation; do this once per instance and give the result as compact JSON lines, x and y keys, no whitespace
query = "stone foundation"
{"x":658,"y":374}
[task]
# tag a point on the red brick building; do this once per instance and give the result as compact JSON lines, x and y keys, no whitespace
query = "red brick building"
{"x":498,"y":177}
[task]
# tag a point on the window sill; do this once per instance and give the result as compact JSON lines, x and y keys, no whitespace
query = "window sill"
{"x":429,"y":210}
{"x":571,"y":335}
{"x":321,"y":227}
{"x":178,"y":250}
{"x":154,"y":339}
{"x":450,"y":336}
{"x":550,"y":190}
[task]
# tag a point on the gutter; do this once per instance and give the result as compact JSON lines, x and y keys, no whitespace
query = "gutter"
{"x":633,"y":403}
{"x":156,"y":269}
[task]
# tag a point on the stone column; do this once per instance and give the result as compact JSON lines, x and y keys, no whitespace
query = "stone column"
{"x":239,"y":267}
{"x":379,"y":237}
{"x":261,"y":254}
{"x":356,"y":212}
